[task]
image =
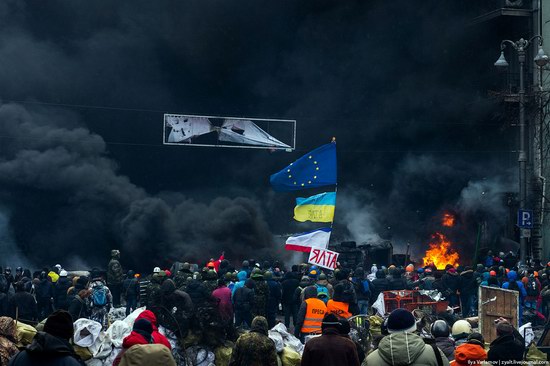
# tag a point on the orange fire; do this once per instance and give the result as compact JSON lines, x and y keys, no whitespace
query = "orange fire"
{"x":440,"y":252}
{"x":448,"y":220}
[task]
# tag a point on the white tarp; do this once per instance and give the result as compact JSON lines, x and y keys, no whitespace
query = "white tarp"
{"x":247,"y":132}
{"x":185,"y":128}
{"x":86,"y":332}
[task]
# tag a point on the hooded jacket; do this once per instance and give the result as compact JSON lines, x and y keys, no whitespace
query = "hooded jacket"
{"x":157,"y":337}
{"x":380,"y":283}
{"x":47,"y":350}
{"x":450,"y":281}
{"x":447,"y":346}
{"x":241,"y":276}
{"x":468,"y":353}
{"x":330,"y":349}
{"x":402,"y":349}
{"x":148,"y":354}
{"x":288,"y":286}
{"x":255,"y":348}
{"x":225,"y":307}
{"x":512,"y":277}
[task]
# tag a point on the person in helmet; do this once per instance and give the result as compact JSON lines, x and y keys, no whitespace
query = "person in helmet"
{"x":115,"y":276}
{"x":460,"y":331}
{"x":440,"y":331}
{"x":61,"y":287}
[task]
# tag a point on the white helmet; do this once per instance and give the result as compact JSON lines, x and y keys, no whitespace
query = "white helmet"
{"x":63,"y":273}
{"x":461,"y":329}
{"x":156,"y":270}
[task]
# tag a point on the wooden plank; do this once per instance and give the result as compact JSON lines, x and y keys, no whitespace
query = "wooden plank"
{"x":505,"y":305}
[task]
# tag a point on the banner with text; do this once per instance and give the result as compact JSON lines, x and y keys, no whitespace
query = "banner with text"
{"x":323,"y":258}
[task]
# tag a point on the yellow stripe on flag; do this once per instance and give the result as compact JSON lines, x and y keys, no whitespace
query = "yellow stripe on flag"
{"x":314,"y":213}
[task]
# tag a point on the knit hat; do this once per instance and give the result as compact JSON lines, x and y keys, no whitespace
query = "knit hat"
{"x":330,"y":321}
{"x":60,"y":324}
{"x":144,"y":328}
{"x":476,"y":338}
{"x":401,"y":321}
{"x":504,"y":328}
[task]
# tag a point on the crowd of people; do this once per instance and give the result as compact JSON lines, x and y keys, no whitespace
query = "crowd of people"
{"x":217,"y":301}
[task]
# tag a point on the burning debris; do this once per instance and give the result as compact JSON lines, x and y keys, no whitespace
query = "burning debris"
{"x":448,"y":220}
{"x":440,"y":253}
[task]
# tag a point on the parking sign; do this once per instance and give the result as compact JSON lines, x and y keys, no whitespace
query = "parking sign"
{"x":525,"y":219}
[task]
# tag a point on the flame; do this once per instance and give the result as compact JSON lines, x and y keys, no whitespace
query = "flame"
{"x":448,"y":220}
{"x":440,"y":253}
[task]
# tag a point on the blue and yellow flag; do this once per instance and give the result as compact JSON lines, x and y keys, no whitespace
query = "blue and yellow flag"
{"x":316,"y":169}
{"x":318,"y":208}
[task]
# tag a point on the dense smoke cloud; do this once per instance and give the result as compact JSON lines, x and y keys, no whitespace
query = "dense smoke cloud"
{"x":388,"y":79}
{"x":66,"y":199}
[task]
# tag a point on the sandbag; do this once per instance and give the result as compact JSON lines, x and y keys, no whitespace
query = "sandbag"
{"x":199,"y":356}
{"x":289,"y":339}
{"x":278,"y":339}
{"x":86,"y":332}
{"x":102,"y":347}
{"x":535,"y":354}
{"x":83,"y":352}
{"x":24,"y":334}
{"x":223,"y":355}
{"x":289,"y":357}
{"x":117,"y":332}
{"x":375,"y":324}
{"x":116,"y":314}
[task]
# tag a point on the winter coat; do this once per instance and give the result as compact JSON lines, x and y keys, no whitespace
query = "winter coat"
{"x":79,"y":308}
{"x":178,"y":300}
{"x":254,"y":348}
{"x":274,"y":297}
{"x":404,"y":349}
{"x":261,"y":293}
{"x":148,"y":355}
{"x":447,"y":346}
{"x":512,"y":277}
{"x":225,"y":307}
{"x":450,"y":281}
{"x":241,"y":276}
{"x":380,"y":283}
{"x":44,"y":290}
{"x":114,"y":272}
{"x":398,"y":283}
{"x":506,"y":348}
{"x":8,"y":338}
{"x":198,"y":293}
{"x":131,"y":340}
{"x":467,"y":284}
{"x":309,"y":292}
{"x":243,"y":300}
{"x":60,"y":298}
{"x":330,"y":349}
{"x":466,"y":354}
{"x":5,"y":303}
{"x":288,"y":286}
{"x":157,"y":337}
{"x":130,"y":288}
{"x":23,"y":304}
{"x":47,"y":350}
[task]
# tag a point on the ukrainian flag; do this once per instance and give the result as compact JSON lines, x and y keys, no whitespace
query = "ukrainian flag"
{"x":318,"y":208}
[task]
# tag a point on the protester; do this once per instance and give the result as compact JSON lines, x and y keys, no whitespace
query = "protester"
{"x":310,"y":315}
{"x":402,"y":347}
{"x":51,"y":347}
{"x":288,"y":287}
{"x":141,"y":334}
{"x":115,"y":275}
{"x":147,"y":355}
{"x":22,"y":305}
{"x":508,"y":346}
{"x":331,"y":348}
{"x":255,"y":347}
{"x":130,"y":292}
{"x":157,"y":337}
{"x":470,"y":353}
{"x":243,"y":302}
{"x":60,"y":298}
{"x":440,"y":331}
{"x":273,"y":298}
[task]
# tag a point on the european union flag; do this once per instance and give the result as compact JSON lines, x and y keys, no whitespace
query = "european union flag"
{"x":316,"y":169}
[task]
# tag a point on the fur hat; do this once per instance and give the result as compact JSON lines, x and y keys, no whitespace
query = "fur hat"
{"x":401,"y":321}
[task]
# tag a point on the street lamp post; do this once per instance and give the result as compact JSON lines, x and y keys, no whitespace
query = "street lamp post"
{"x":541,"y":59}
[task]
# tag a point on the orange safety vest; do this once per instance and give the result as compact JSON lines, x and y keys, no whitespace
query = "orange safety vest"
{"x":341,"y":309}
{"x":315,"y":313}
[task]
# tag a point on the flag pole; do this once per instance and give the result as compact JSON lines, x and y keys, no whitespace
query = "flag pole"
{"x":333,"y":140}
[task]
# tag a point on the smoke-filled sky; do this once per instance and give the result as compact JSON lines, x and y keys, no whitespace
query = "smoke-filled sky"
{"x":84,"y":85}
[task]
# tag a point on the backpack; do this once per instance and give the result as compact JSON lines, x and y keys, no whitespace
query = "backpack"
{"x":532,"y":289}
{"x":99,"y":295}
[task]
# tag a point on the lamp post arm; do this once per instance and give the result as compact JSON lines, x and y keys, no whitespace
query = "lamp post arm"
{"x":541,"y":40}
{"x":507,"y":41}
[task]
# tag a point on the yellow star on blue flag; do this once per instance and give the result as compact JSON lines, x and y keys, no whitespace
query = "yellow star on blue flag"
{"x":316,"y":169}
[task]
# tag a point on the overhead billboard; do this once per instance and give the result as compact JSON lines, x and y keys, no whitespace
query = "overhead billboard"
{"x":212,"y":131}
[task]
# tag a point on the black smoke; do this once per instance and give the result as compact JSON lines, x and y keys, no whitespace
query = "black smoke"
{"x":401,"y":84}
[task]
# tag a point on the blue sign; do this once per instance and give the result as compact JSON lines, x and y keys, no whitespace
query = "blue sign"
{"x":525,"y":219}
